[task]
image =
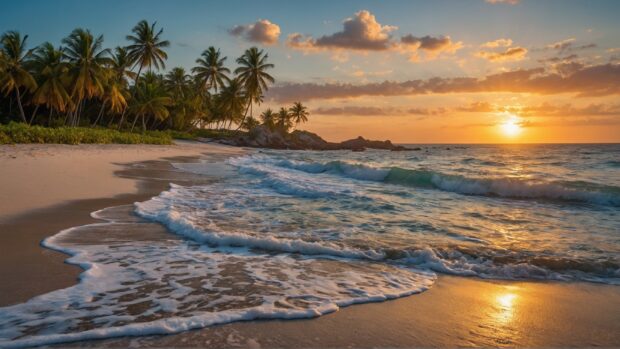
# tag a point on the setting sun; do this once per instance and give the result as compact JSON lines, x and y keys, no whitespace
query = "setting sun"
{"x":511,"y":127}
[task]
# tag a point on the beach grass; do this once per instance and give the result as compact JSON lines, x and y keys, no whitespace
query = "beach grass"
{"x":15,"y":133}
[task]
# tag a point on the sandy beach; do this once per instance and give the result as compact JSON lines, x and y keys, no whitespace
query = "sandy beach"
{"x":47,"y":188}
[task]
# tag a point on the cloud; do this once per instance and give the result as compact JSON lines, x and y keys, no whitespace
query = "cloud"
{"x":262,"y":31}
{"x":510,"y":54}
{"x":360,"y":32}
{"x":568,"y":45}
{"x":363,"y":33}
{"x":432,"y":46}
{"x":596,"y":80}
{"x":510,"y":2}
{"x":544,"y":109}
{"x":498,"y":43}
{"x":378,"y":111}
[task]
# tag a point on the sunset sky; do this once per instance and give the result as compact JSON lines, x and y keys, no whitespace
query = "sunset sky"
{"x":466,"y":71}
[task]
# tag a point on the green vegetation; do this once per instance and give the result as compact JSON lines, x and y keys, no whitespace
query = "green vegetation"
{"x":83,"y":92}
{"x":22,"y":133}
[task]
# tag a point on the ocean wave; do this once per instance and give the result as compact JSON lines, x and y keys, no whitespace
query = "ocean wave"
{"x":420,"y":178}
{"x":179,"y":286}
{"x":482,"y":262}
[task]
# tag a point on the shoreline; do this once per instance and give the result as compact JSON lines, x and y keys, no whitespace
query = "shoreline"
{"x":455,"y":311}
{"x":21,"y":234}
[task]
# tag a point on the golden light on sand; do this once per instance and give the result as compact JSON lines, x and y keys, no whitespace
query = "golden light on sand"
{"x":506,"y":300}
{"x":511,"y":127}
{"x":505,"y":304}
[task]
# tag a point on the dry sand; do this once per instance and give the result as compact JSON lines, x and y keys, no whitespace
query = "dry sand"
{"x":37,"y":176}
{"x":46,"y":188}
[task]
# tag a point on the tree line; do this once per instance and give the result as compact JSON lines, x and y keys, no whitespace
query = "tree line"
{"x":81,"y":83}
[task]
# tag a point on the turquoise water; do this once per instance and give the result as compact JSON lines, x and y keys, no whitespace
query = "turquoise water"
{"x":298,"y":234}
{"x":497,"y":211}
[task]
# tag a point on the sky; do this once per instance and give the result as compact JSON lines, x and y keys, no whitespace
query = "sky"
{"x":462,"y":71}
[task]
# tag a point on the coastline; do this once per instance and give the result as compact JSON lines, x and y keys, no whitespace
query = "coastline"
{"x":123,"y":175}
{"x":456,"y":311}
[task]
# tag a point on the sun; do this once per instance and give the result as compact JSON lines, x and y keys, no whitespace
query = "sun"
{"x":511,"y":127}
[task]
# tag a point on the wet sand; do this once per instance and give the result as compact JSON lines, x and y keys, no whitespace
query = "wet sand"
{"x":456,"y":311}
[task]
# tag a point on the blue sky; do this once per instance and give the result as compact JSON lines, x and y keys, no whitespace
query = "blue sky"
{"x":193,"y":25}
{"x":590,"y":29}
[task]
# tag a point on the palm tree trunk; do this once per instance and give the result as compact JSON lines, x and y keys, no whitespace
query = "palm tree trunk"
{"x":245,"y":115}
{"x":120,"y":124}
{"x":143,"y":123}
{"x":49,"y":117}
{"x":134,"y":122}
{"x":34,"y":113}
{"x":19,"y":103}
{"x":100,"y":114}
{"x":111,"y":121}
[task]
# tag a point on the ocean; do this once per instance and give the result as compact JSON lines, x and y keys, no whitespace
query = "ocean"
{"x":297,"y":234}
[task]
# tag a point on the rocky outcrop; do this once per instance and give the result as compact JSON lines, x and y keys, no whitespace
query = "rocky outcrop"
{"x":361,"y":143}
{"x":263,"y":137}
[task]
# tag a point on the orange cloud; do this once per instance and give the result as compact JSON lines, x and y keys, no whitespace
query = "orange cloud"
{"x":498,"y":43}
{"x":510,"y":54}
{"x":596,"y":80}
{"x":378,"y":111}
{"x":262,"y":31}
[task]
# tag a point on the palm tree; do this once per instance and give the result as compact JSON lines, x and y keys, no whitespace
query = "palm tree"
{"x":15,"y":75}
{"x":147,"y":49}
{"x":250,"y":122}
{"x":253,"y":75}
{"x":211,"y":70}
{"x":299,"y":113}
{"x":186,"y":103}
{"x":87,"y":58}
{"x":283,"y":120}
{"x":177,"y":82}
{"x":150,"y":100}
{"x":121,"y":64}
{"x":114,"y":96}
{"x":232,"y":100}
{"x":53,"y":79}
{"x":268,"y":118}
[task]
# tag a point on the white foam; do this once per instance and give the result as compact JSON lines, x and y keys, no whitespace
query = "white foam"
{"x":134,"y":287}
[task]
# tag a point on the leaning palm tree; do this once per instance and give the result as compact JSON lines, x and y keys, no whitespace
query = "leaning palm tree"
{"x":268,"y":118}
{"x":283,"y":120}
{"x":253,"y":75}
{"x":146,"y":50}
{"x":211,"y":70}
{"x":51,"y":71}
{"x":299,"y":113}
{"x":15,"y":76}
{"x":87,"y":58}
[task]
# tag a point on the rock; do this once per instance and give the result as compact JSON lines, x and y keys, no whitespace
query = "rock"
{"x":307,"y":140}
{"x":263,"y":137}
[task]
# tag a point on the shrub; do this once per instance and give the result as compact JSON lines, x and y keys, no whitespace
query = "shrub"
{"x":4,"y":139}
{"x":22,"y":133}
